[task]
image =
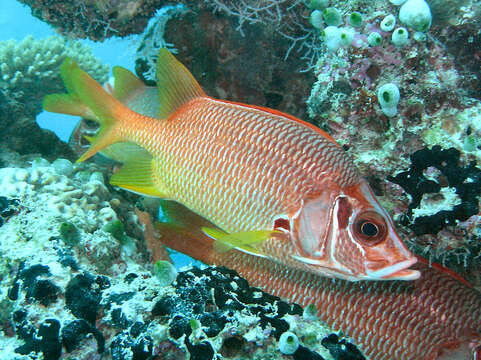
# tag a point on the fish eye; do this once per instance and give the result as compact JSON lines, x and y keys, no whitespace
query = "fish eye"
{"x":370,"y":228}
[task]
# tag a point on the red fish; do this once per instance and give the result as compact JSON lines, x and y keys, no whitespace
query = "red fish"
{"x":272,"y":185}
{"x":437,"y":317}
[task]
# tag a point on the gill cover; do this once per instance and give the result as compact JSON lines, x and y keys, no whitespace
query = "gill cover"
{"x":346,"y":233}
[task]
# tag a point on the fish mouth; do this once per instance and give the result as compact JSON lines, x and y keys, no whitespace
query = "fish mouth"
{"x":398,"y":271}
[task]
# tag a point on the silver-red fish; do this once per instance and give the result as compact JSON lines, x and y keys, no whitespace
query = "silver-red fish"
{"x":272,"y":185}
{"x":436,"y":317}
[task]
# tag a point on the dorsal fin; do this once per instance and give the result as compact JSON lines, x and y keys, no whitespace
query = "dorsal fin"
{"x":126,"y":83}
{"x":443,"y":269}
{"x":176,"y":85}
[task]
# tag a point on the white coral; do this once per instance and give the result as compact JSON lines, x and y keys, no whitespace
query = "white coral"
{"x":53,"y":193}
{"x":153,"y":39}
{"x":38,"y":60}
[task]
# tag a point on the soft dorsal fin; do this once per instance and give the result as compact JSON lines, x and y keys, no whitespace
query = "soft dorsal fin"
{"x":130,"y":90}
{"x":176,"y":85}
{"x":125,"y":83}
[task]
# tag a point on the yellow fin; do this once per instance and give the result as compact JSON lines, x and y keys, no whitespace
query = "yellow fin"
{"x":67,"y":104}
{"x":125,"y":83}
{"x":243,"y":240}
{"x":86,"y":97}
{"x":124,"y":152}
{"x":176,"y":85}
{"x":136,"y":173}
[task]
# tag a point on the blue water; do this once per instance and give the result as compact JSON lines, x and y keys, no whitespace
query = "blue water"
{"x":16,"y":22}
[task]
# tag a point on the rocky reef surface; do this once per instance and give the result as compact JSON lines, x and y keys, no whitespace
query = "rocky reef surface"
{"x":29,"y":70}
{"x":77,"y":282}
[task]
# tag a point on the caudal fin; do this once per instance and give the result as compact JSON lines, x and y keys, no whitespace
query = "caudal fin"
{"x":87,"y":98}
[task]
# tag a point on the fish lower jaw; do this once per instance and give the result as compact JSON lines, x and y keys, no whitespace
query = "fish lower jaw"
{"x":398,"y":271}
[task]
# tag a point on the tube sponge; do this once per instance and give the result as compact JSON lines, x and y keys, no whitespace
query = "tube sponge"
{"x":316,"y":19}
{"x":374,"y":39}
{"x":332,"y":37}
{"x":332,"y":16}
{"x":388,"y":97}
{"x":288,"y":343}
{"x":416,"y":14}
{"x":400,"y":37}
{"x":388,"y":23}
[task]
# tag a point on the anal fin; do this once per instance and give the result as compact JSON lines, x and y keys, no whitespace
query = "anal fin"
{"x":136,"y":173}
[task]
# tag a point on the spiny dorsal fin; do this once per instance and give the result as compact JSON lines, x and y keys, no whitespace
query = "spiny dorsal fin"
{"x":125,"y":83}
{"x":175,"y":84}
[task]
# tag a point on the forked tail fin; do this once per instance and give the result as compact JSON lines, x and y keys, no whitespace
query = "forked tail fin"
{"x":87,"y":98}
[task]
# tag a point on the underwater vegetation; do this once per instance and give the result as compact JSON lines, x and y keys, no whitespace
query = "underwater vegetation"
{"x":83,"y":272}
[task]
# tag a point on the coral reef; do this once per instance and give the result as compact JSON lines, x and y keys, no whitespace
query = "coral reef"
{"x":79,"y":285}
{"x":29,"y":71}
{"x":29,"y":68}
{"x":434,"y":107}
{"x":95,"y":19}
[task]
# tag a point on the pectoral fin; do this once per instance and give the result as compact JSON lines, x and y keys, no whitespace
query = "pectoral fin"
{"x":246,"y":241}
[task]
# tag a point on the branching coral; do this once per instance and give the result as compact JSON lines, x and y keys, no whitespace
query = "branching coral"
{"x":29,"y":69}
{"x":153,"y":39}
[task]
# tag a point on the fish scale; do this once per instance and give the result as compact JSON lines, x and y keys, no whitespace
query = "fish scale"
{"x":364,"y":310}
{"x":254,"y":172}
{"x":206,"y":149}
{"x":388,"y":320}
